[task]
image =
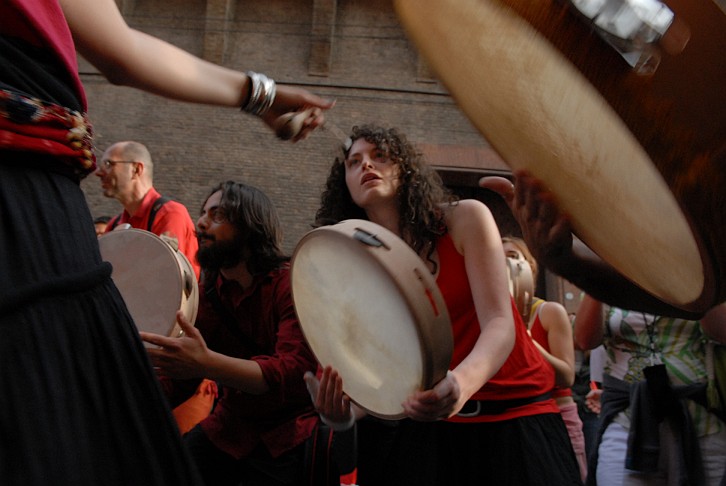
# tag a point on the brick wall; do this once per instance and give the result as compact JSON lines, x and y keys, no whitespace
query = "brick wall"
{"x":353,"y":51}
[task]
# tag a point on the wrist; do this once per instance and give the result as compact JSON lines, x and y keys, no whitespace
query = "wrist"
{"x":260,"y":95}
{"x":339,"y":426}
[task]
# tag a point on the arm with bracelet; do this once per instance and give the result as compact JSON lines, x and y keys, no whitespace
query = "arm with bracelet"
{"x":128,"y":57}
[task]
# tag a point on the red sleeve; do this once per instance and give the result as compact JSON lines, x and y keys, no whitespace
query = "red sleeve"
{"x":173,"y":220}
{"x":284,"y":370}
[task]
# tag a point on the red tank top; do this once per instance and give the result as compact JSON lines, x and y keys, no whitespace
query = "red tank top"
{"x":525,"y":373}
{"x":42,"y":23}
{"x":53,"y":130}
{"x":540,"y":335}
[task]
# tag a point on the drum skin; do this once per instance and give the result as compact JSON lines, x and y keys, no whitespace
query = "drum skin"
{"x":370,"y":307}
{"x":155,"y":280}
{"x":637,"y":161}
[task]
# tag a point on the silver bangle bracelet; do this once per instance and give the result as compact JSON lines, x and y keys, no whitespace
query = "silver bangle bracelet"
{"x":262,"y":94}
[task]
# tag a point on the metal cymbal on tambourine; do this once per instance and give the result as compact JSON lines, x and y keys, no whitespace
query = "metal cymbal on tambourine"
{"x":521,"y":284}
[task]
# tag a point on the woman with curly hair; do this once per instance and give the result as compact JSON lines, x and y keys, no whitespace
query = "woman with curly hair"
{"x":492,"y":415}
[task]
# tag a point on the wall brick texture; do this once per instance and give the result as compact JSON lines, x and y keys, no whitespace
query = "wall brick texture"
{"x":354,"y":51}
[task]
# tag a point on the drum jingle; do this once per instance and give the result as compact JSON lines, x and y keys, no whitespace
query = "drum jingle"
{"x":636,"y":157}
{"x":155,"y":279}
{"x":521,"y":284}
{"x":370,"y":307}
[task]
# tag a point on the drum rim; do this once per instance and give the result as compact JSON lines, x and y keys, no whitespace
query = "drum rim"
{"x":437,"y":345}
{"x":190,"y":306}
{"x":695,"y":281}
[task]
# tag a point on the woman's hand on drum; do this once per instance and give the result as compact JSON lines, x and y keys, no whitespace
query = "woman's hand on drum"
{"x":545,"y":228}
{"x":178,"y":357}
{"x":440,"y":402}
{"x":329,"y":400}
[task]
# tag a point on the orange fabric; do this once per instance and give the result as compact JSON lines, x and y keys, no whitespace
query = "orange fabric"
{"x":197,"y":407}
{"x":349,"y":479}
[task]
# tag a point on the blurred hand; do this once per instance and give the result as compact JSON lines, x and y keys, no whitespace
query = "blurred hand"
{"x":545,"y":228}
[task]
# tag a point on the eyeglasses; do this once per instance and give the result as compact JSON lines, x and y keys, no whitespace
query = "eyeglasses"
{"x":107,"y":164}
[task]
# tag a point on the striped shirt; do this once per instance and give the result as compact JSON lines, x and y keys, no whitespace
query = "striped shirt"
{"x":634,"y":341}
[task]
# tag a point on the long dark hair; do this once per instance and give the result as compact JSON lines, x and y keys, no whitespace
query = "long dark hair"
{"x":421,"y":218}
{"x":255,"y":220}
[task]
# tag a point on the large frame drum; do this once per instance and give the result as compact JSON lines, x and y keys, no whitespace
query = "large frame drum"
{"x":637,"y":160}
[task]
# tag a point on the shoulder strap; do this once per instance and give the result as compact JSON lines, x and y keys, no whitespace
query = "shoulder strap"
{"x":154,"y":209}
{"x":114,"y":222}
{"x":152,"y":215}
{"x":534,"y":310}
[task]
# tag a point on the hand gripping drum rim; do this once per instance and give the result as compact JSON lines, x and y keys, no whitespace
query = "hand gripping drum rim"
{"x":369,"y":306}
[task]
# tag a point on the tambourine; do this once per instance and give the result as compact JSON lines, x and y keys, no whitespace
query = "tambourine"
{"x":628,"y":133}
{"x":521,"y":284}
{"x":370,"y":307}
{"x":155,"y":279}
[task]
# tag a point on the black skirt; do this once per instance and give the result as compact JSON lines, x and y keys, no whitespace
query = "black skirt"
{"x":79,"y":401}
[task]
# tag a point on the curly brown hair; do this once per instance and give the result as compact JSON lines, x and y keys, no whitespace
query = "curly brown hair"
{"x":420,"y":193}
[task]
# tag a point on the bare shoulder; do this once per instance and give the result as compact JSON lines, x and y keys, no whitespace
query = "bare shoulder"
{"x":466,"y":212}
{"x":470,"y":220}
{"x":467,"y":205}
{"x":554,"y":314}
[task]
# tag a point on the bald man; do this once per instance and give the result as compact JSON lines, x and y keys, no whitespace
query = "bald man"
{"x":126,"y":171}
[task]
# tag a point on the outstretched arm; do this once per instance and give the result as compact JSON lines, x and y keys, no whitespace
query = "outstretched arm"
{"x":189,"y":357}
{"x":714,"y":323}
{"x":589,"y":323}
{"x":128,"y":57}
{"x":548,"y":234}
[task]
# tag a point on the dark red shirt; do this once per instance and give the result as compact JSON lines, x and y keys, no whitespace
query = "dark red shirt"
{"x":261,"y":326}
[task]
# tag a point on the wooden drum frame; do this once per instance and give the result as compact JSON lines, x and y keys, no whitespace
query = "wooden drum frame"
{"x":155,"y":279}
{"x":637,"y":161}
{"x":370,"y":307}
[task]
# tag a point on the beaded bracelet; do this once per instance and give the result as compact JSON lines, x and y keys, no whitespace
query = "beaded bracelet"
{"x":261,"y":94}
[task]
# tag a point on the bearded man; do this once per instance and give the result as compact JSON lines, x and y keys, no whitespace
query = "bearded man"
{"x":248,"y":339}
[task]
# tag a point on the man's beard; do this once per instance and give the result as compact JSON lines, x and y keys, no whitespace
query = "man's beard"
{"x":220,"y":254}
